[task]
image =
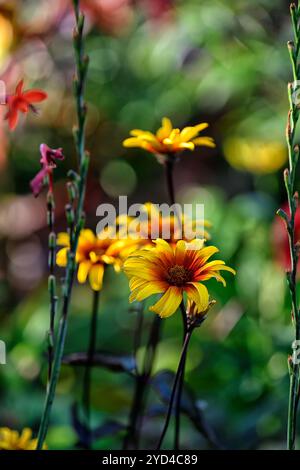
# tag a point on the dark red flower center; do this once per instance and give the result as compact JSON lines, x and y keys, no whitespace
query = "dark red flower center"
{"x":178,"y":275}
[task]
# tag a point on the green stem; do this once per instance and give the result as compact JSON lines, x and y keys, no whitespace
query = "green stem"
{"x":289,"y":179}
{"x":83,"y":158}
{"x":51,"y":278}
{"x":86,"y":395}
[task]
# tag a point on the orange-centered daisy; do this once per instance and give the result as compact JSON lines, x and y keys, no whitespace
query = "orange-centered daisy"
{"x":173,"y":271}
{"x":93,"y":253}
{"x":169,"y":140}
{"x":13,"y":440}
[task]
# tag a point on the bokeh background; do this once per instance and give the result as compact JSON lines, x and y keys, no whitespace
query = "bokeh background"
{"x":195,"y":61}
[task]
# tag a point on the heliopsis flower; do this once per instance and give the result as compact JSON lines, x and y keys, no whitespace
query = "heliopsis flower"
{"x":13,"y":440}
{"x":173,"y":272}
{"x":93,"y":254}
{"x":22,"y":101}
{"x":153,"y":223}
{"x":169,"y":140}
{"x":48,"y":158}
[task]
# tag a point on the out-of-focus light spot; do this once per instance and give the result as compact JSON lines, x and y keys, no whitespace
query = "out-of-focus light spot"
{"x":6,"y":36}
{"x":272,"y":292}
{"x":268,"y":425}
{"x":61,"y":437}
{"x":21,"y":216}
{"x":37,"y":65}
{"x":66,"y":381}
{"x":254,"y":155}
{"x":34,"y":331}
{"x":227,"y":319}
{"x":251,"y":388}
{"x":137,"y":111}
{"x":175,"y":103}
{"x":25,"y":267}
{"x":23,"y":359}
{"x":118,"y":177}
{"x":277,"y":366}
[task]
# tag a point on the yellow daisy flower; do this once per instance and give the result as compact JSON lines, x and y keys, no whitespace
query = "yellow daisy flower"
{"x":93,"y":254}
{"x":158,"y":225}
{"x":169,"y":140}
{"x":173,"y":271}
{"x":13,"y":440}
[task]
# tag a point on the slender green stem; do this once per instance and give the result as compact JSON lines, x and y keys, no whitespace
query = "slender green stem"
{"x":292,"y":196}
{"x":83,"y":159}
{"x":176,"y":381}
{"x":86,"y":395}
{"x":51,"y":278}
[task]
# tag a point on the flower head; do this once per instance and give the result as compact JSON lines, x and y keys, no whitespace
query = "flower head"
{"x":153,"y":223}
{"x":173,"y":271}
{"x":93,"y":254}
{"x":48,"y":163}
{"x":22,"y":101}
{"x":13,"y":440}
{"x":168,"y":140}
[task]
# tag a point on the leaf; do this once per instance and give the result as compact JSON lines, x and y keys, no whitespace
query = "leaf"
{"x":86,"y":437}
{"x":163,"y":382}
{"x":116,"y":363}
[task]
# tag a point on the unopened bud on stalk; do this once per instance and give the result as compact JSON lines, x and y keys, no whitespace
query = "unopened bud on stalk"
{"x":71,"y":188}
{"x":296,"y":199}
{"x":81,"y":222}
{"x":52,"y":240}
{"x":297,"y":248}
{"x":286,"y":176}
{"x":75,"y":34}
{"x":74,"y":177}
{"x":69,"y":214}
{"x":51,"y":283}
{"x":290,"y":45}
{"x":80,"y":22}
{"x":290,"y":364}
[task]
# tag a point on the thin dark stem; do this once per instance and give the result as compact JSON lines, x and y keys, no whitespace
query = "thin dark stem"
{"x":86,"y":393}
{"x":173,"y":393}
{"x":169,"y":167}
{"x":138,"y":328}
{"x":181,"y":382}
{"x":83,"y":159}
{"x":131,"y":439}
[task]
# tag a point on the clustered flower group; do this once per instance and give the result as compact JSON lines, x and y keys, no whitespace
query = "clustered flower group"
{"x":175,"y":267}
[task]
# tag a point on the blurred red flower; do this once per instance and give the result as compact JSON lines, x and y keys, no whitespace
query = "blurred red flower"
{"x":48,"y":162}
{"x":22,"y":101}
{"x":280,"y":239}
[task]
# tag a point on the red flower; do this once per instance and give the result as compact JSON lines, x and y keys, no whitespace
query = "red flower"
{"x":22,"y":101}
{"x":48,"y":157}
